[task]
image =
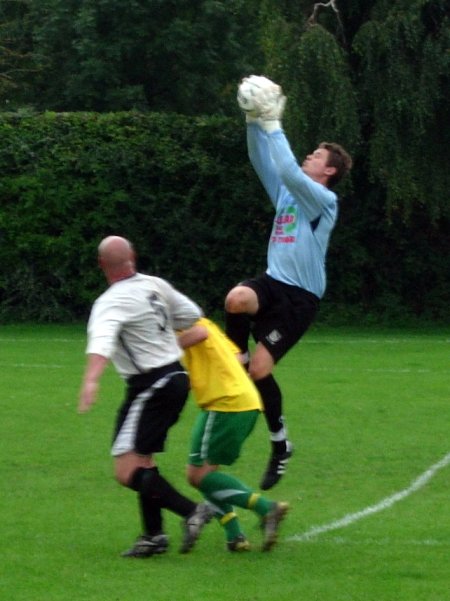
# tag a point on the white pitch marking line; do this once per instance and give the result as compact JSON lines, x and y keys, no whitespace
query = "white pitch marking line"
{"x":350,"y":518}
{"x":341,"y":540}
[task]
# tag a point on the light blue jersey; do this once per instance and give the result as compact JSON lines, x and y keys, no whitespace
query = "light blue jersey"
{"x":306,"y":212}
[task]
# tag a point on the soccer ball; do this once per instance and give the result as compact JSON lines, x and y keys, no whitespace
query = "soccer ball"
{"x":246,"y":95}
{"x":256,"y":93}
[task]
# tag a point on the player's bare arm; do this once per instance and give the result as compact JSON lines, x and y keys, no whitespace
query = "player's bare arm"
{"x":192,"y":336}
{"x":94,"y":369}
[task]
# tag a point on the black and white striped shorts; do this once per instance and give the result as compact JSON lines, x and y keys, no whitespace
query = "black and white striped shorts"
{"x":153,"y":404}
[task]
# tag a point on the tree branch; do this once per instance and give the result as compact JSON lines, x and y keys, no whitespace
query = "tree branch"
{"x":331,"y":4}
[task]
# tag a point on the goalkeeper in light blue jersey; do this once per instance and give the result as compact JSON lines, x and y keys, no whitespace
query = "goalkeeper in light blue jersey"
{"x":279,"y":306}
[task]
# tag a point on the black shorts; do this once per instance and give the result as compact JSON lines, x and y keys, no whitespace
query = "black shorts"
{"x":285,"y":313}
{"x":153,"y":404}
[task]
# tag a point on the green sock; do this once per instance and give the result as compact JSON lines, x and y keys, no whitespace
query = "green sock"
{"x":226,"y":517}
{"x":219,"y":487}
{"x":230,"y":524}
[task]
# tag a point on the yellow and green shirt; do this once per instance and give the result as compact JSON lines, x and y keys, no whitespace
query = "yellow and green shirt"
{"x":218,"y":380}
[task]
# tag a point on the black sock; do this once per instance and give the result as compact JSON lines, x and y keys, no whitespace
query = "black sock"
{"x":150,"y":484}
{"x":279,"y":447}
{"x":272,"y":400}
{"x":150,"y":506}
{"x":151,"y":514}
{"x":237,"y":328}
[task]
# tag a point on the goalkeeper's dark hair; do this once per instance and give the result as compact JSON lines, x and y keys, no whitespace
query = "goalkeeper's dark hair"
{"x":338,"y":158}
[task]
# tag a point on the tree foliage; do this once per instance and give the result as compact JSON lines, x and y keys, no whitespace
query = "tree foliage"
{"x":404,"y":64}
{"x":326,"y":105}
{"x":165,"y":55}
{"x":17,"y":62}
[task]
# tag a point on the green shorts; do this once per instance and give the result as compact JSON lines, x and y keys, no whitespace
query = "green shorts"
{"x":218,"y":436}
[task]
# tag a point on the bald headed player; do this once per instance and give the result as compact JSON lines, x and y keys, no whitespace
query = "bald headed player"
{"x":132,"y":324}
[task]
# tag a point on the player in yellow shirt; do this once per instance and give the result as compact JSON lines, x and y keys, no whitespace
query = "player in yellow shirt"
{"x":230,"y":405}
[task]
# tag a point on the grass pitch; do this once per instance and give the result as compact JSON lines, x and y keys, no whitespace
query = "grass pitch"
{"x":369,"y":415}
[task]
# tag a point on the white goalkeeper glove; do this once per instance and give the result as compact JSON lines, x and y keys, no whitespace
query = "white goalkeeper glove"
{"x":262,"y":100}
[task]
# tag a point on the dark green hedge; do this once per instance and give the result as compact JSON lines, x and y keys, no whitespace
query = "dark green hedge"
{"x":183,"y":191}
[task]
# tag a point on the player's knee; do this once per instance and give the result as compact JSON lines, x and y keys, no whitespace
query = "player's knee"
{"x":261,"y":364}
{"x":193,"y":476}
{"x":259,"y":371}
{"x":232,"y":302}
{"x":122,"y":476}
{"x":127,"y":466}
{"x":193,"y":480}
{"x":238,"y":300}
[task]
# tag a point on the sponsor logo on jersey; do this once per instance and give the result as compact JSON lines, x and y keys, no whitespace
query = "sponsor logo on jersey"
{"x":284,"y":225}
{"x":273,"y":337}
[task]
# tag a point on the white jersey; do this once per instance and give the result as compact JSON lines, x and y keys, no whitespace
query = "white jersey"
{"x":133,"y":322}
